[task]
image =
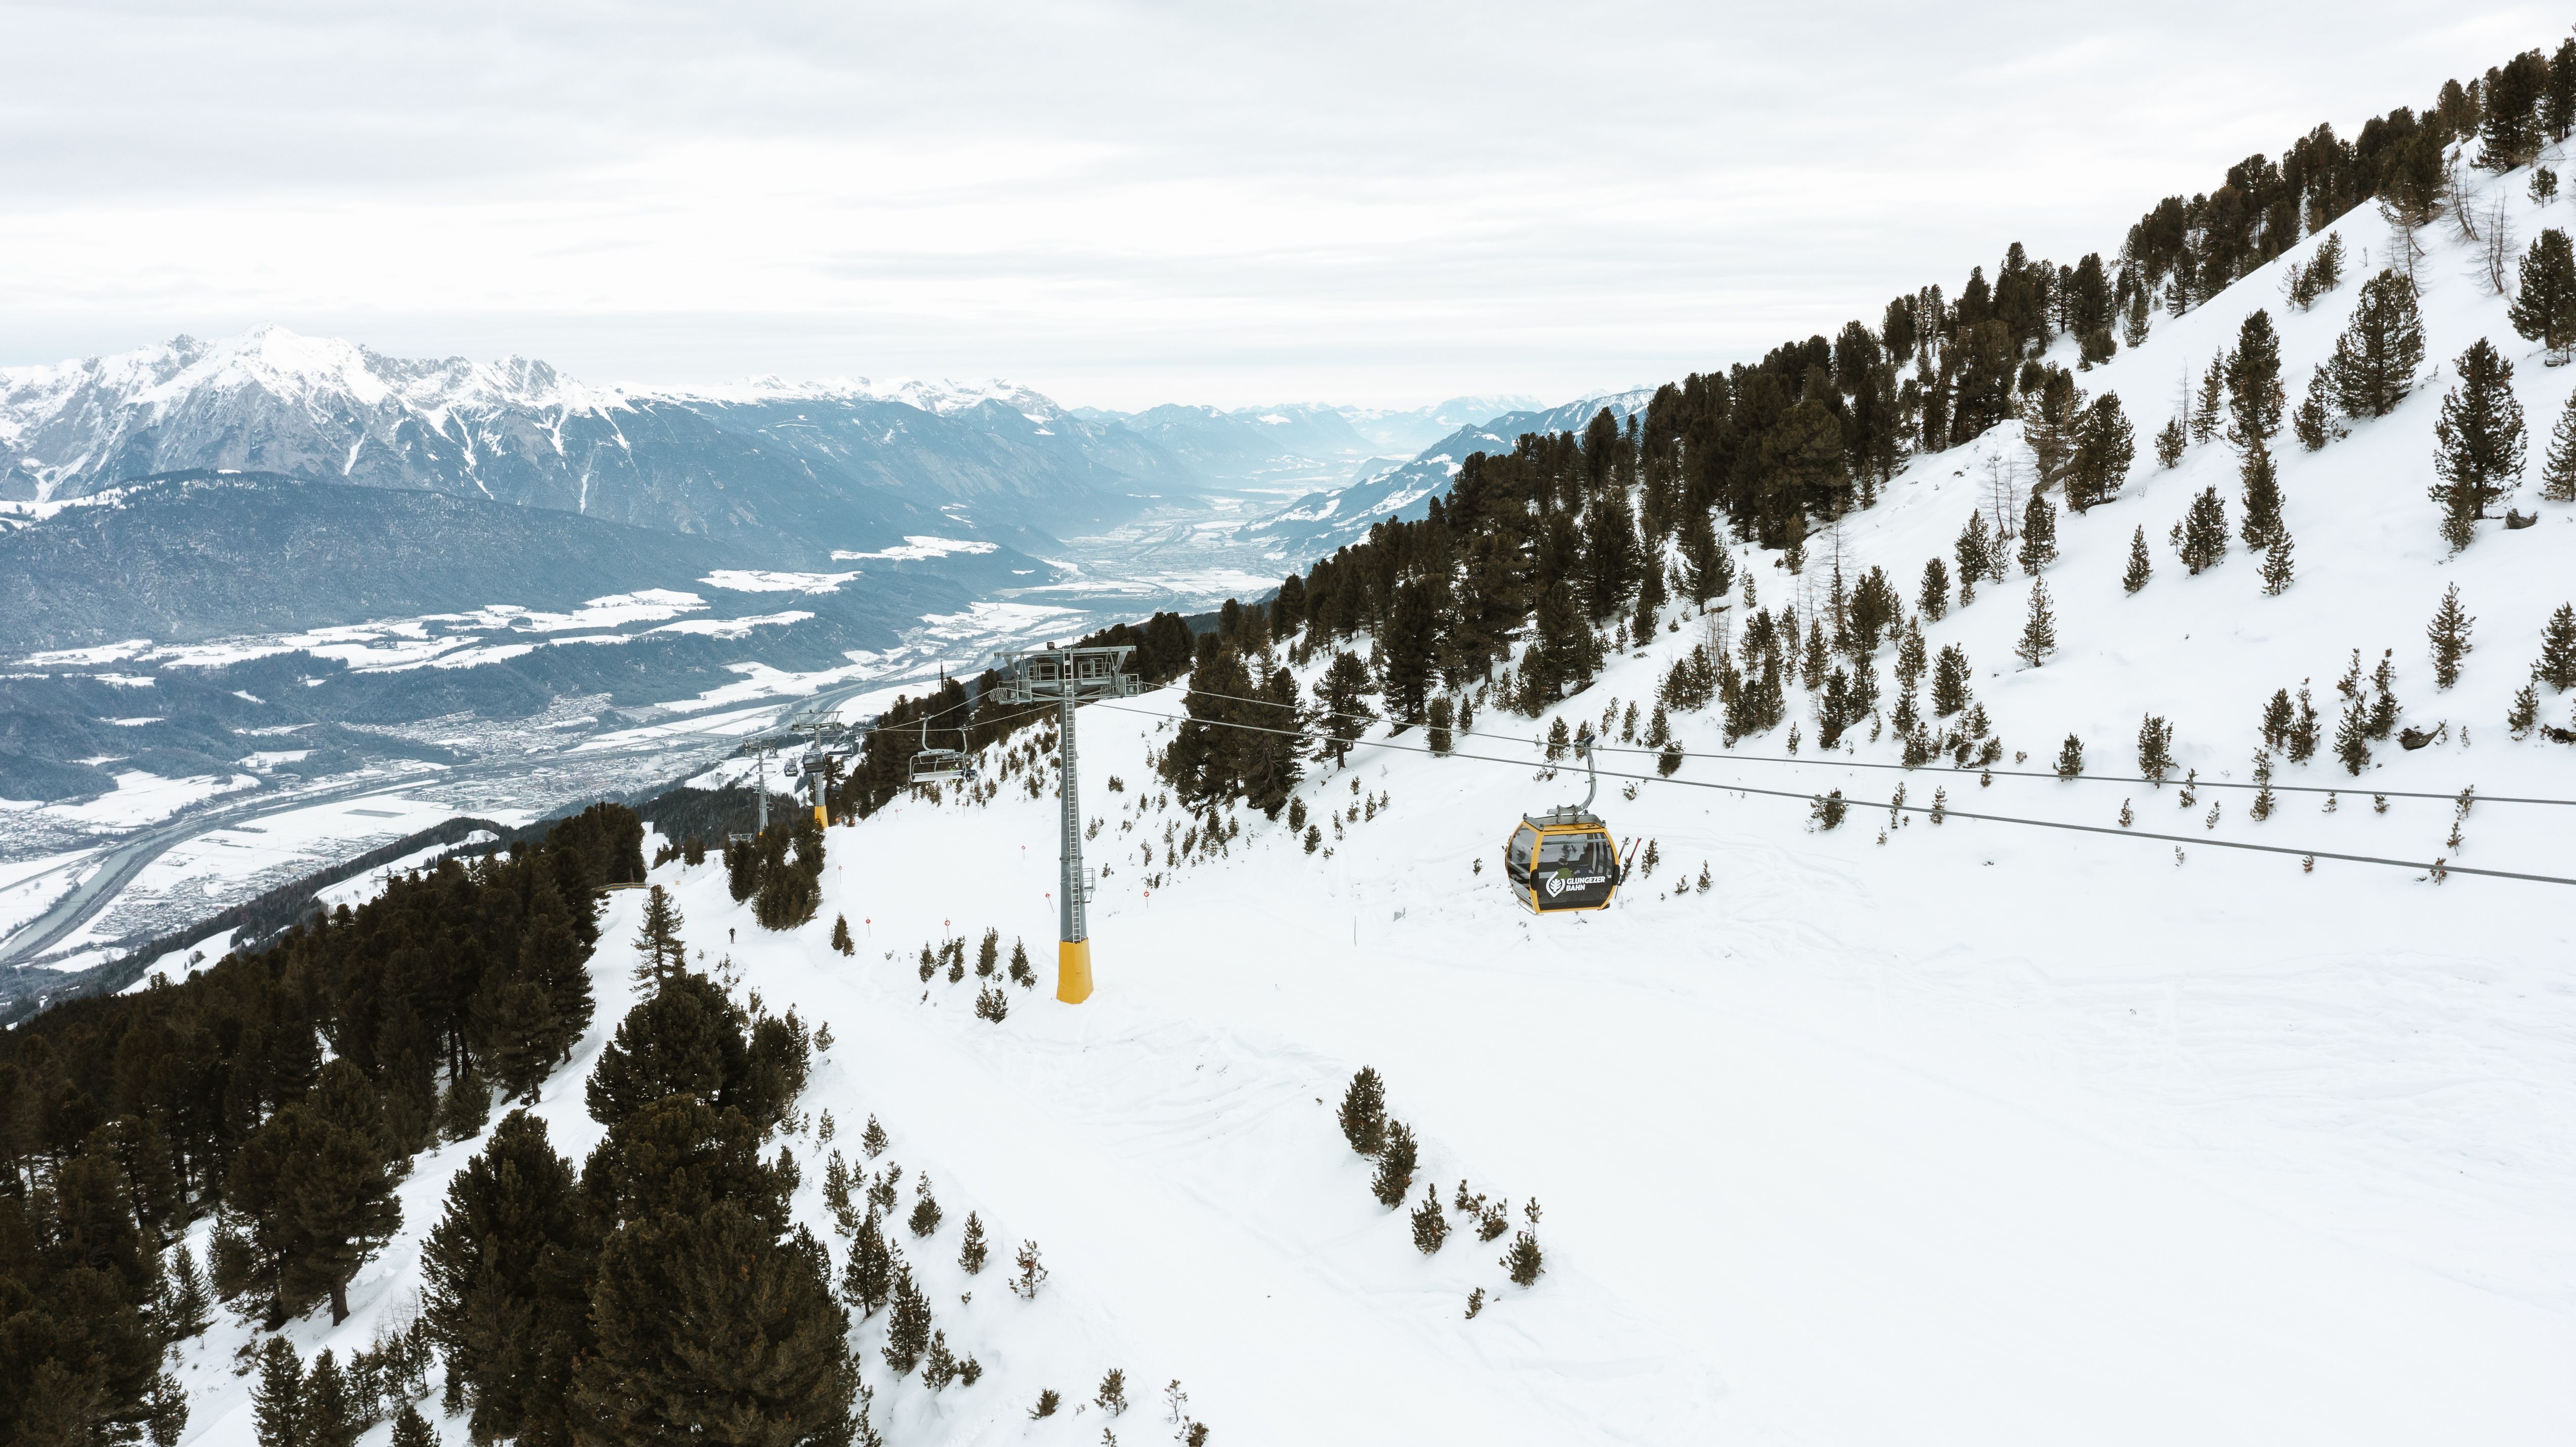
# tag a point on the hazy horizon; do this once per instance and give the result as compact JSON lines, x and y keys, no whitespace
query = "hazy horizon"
{"x":1125,"y":205}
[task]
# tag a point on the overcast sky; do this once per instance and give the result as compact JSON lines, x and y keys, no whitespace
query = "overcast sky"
{"x":1122,"y":203}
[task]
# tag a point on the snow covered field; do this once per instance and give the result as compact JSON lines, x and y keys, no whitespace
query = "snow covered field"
{"x":1970,"y":1133}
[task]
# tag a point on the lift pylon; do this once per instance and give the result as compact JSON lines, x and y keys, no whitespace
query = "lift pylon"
{"x":1067,"y":677}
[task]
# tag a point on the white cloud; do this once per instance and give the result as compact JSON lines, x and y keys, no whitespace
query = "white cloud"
{"x":1124,"y":203}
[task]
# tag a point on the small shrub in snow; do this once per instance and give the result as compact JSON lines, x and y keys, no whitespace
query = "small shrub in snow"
{"x":1524,"y":1260}
{"x":1031,"y":1273}
{"x":991,"y":1004}
{"x":1395,"y":1163}
{"x":1430,"y":1225}
{"x":1048,"y":1400}
{"x":1112,"y":1397}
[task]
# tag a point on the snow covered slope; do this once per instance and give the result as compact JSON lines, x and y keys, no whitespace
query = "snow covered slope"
{"x":1966,"y":1132}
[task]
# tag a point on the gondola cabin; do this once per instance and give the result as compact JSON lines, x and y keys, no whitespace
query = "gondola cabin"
{"x":1562,"y":860}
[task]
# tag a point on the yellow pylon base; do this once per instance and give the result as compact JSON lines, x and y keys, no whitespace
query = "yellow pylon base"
{"x":821,"y":819}
{"x":1073,"y":971}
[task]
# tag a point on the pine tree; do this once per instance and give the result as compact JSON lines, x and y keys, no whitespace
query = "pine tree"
{"x":2557,"y":665}
{"x":2105,"y":446}
{"x":2376,"y":357}
{"x":2383,"y":701}
{"x":2524,"y":712}
{"x":686,"y":1038}
{"x":2213,"y":393}
{"x":2278,"y":568}
{"x":2070,"y":758}
{"x":2277,"y":716}
{"x":2314,"y":421}
{"x":971,"y":1247}
{"x":2558,"y":470}
{"x":938,"y":1364}
{"x":2254,"y":396}
{"x":2155,"y":748}
{"x":466,"y":1106}
{"x":1430,"y":1224}
{"x":1934,"y":598}
{"x":330,"y":1416}
{"x":1342,"y":711}
{"x":1524,"y":1261}
{"x":277,"y":1401}
{"x":709,"y":1318}
{"x":2171,"y":442}
{"x":1021,"y":974}
{"x":411,"y":1429}
{"x":2140,"y":569}
{"x":841,"y":942}
{"x":1950,"y":691}
{"x":1112,"y":1396}
{"x":2039,"y":634}
{"x":659,"y":951}
{"x":502,"y":1292}
{"x":1975,"y":552}
{"x":2481,"y":437}
{"x":2262,"y":498}
{"x":2449,"y":634}
{"x":316,"y":1181}
{"x":190,"y":1311}
{"x":867,"y":1278}
{"x":873,"y":1140}
{"x":1363,"y":1112}
{"x":2201,"y":537}
{"x":926,"y":1214}
{"x":2352,"y":739}
{"x":2544,"y":306}
{"x":1395,"y":1165}
{"x":2304,"y":732}
{"x":2038,"y":535}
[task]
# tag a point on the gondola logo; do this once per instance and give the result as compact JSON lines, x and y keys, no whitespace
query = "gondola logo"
{"x":1555,"y":885}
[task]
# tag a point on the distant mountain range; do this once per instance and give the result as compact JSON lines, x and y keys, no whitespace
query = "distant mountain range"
{"x":1319,"y":522}
{"x":792,"y":470}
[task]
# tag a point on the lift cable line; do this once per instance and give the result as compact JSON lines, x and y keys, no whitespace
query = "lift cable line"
{"x":1733,"y":757}
{"x":1946,"y":812}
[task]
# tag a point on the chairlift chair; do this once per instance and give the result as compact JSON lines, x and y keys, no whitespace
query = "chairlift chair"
{"x":939,"y":766}
{"x":1564,"y":859}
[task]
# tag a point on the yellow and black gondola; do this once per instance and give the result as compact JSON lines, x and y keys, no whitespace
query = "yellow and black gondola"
{"x":1564,"y":859}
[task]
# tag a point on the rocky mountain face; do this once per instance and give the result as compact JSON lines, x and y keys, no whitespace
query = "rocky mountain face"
{"x":795,"y":471}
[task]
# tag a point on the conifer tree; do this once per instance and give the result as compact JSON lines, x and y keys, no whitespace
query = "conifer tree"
{"x":841,"y":941}
{"x":659,"y":951}
{"x":2278,"y":569}
{"x":2558,"y":470}
{"x":2039,"y":633}
{"x":2304,"y":731}
{"x":2557,"y":665}
{"x":1975,"y":552}
{"x":1430,"y":1224}
{"x":1395,"y":1166}
{"x":2254,"y":396}
{"x":1363,"y":1113}
{"x":2155,"y":748}
{"x":2523,"y":713}
{"x":316,"y":1181}
{"x":2544,"y":307}
{"x":277,"y":1401}
{"x":2352,"y":739}
{"x":1950,"y":692}
{"x":1342,"y":710}
{"x":709,"y":1325}
{"x":2277,"y":715}
{"x":466,"y":1106}
{"x":2105,"y":446}
{"x":2262,"y":498}
{"x":867,"y":1279}
{"x":1934,"y":599}
{"x":411,"y":1429}
{"x":2171,"y":441}
{"x":2201,"y":537}
{"x":2070,"y":758}
{"x":1021,"y":974}
{"x":2449,"y":634}
{"x":330,"y":1416}
{"x":189,"y":1310}
{"x":926,"y":1214}
{"x":2314,"y":420}
{"x":684,"y":1038}
{"x":502,"y":1288}
{"x":972,"y":1249}
{"x":2213,"y":396}
{"x":2383,"y":701}
{"x":2038,"y":535}
{"x":1524,"y":1262}
{"x":2376,"y":357}
{"x":2139,"y":569}
{"x":2481,"y":438}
